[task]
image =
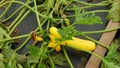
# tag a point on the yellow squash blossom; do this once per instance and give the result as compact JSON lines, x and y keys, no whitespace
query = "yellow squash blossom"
{"x":53,"y":43}
{"x":75,"y":43}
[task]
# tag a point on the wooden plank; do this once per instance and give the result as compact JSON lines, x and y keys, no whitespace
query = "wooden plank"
{"x":106,"y":39}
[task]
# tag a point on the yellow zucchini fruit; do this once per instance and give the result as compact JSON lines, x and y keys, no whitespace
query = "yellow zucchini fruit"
{"x":75,"y":43}
{"x":80,"y":44}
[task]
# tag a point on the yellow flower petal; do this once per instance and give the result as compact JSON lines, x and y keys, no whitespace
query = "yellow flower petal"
{"x":53,"y":45}
{"x":38,"y":38}
{"x":52,"y":37}
{"x":58,"y":48}
{"x":53,"y":31}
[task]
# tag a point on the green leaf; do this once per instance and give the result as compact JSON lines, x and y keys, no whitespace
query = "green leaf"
{"x":108,"y":64}
{"x":2,"y":57}
{"x":67,"y":32}
{"x":59,"y":59}
{"x":2,"y":65}
{"x":114,"y":12}
{"x":32,"y":59}
{"x":82,"y":17}
{"x":112,"y":59}
{"x":19,"y":66}
{"x":34,"y":50}
{"x":112,"y":49}
{"x":42,"y":66}
{"x":21,"y":59}
{"x":8,"y":53}
{"x":34,"y":54}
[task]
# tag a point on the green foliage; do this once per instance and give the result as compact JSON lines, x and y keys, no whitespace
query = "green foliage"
{"x":108,"y":64}
{"x":50,"y":11}
{"x":10,"y":59}
{"x":112,"y":59}
{"x":67,"y":32}
{"x":34,"y":54}
{"x":34,"y":51}
{"x":114,"y":12}
{"x":2,"y":60}
{"x":42,"y":66}
{"x":59,"y":59}
{"x":82,"y":17}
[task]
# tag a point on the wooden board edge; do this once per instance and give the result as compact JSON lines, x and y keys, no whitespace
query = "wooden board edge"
{"x":106,"y":39}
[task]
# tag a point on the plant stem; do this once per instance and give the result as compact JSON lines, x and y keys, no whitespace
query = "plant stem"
{"x":48,"y":25}
{"x":12,"y":14}
{"x":72,"y":9}
{"x":38,"y":19}
{"x":3,"y":31}
{"x":1,"y":1}
{"x":92,"y":53}
{"x":17,"y":37}
{"x":22,"y":45}
{"x":85,"y":3}
{"x":51,"y":61}
{"x":19,"y":2}
{"x":19,"y":21}
{"x":100,"y":31}
{"x":5,"y":11}
{"x":101,"y":44}
{"x":96,"y":11}
{"x":66,"y":55}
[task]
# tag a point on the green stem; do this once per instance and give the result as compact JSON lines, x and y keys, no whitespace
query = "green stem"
{"x":38,"y":19}
{"x":101,"y":44}
{"x":48,"y":25}
{"x":19,"y":21}
{"x":67,"y":5}
{"x":97,"y":11}
{"x":23,"y":44}
{"x":85,"y":3}
{"x":51,"y":61}
{"x":72,"y":9}
{"x":28,"y":8}
{"x":87,"y":51}
{"x":12,"y":14}
{"x":33,"y":65}
{"x":5,"y":11}
{"x":1,"y":1}
{"x":3,"y":31}
{"x":68,"y":59}
{"x":17,"y":37}
{"x":42,"y":51}
{"x":100,"y":31}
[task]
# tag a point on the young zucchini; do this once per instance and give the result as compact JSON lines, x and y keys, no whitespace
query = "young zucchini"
{"x":75,"y":43}
{"x":80,"y":44}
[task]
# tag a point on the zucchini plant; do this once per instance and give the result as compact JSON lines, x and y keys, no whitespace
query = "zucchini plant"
{"x":54,"y":32}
